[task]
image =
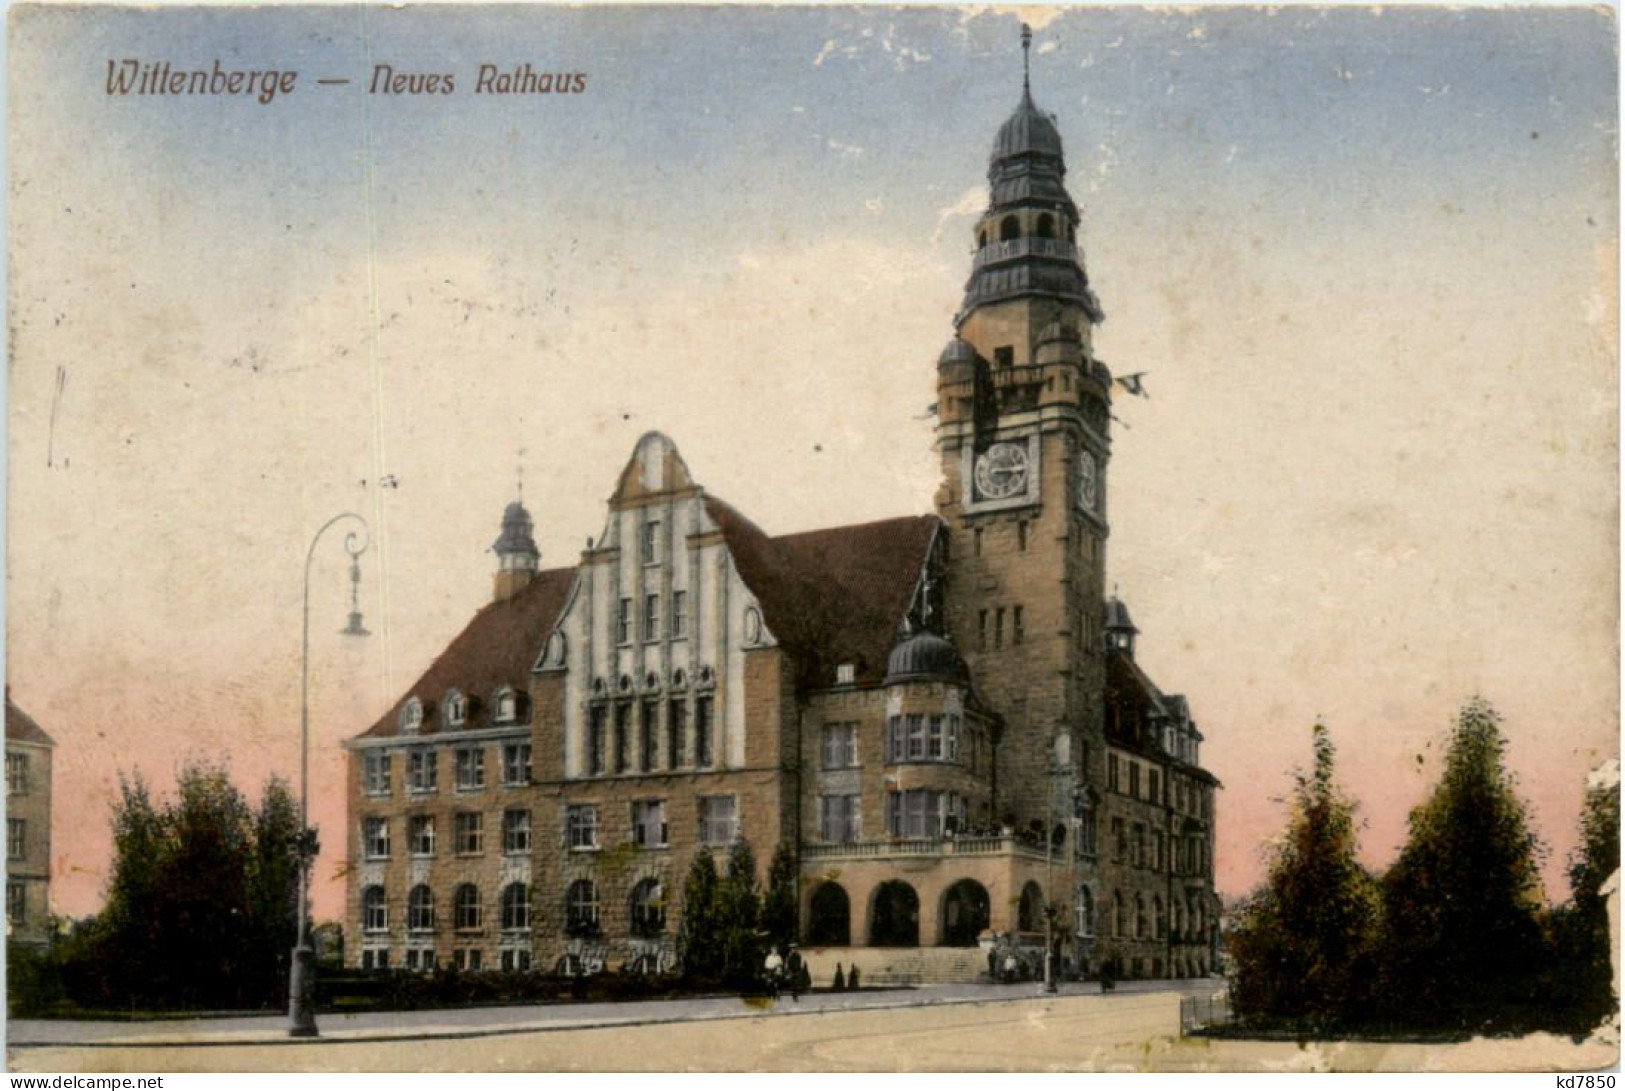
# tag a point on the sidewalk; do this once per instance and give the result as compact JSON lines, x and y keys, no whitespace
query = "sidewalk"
{"x":480,"y":1022}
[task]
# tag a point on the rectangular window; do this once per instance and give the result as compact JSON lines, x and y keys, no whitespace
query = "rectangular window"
{"x":623,"y":736}
{"x":1154,"y":784}
{"x":470,"y":769}
{"x":469,"y":828}
{"x":1139,"y":845}
{"x":1159,"y":846}
{"x":976,"y":539}
{"x":650,"y":551}
{"x":595,"y":740}
{"x":516,"y":764}
{"x":702,"y":732}
{"x":16,"y":835}
{"x":16,"y":774}
{"x":648,"y":733}
{"x":651,"y":617}
{"x":840,"y":746}
{"x":1111,"y":772}
{"x":581,"y":825}
{"x":422,"y":771}
{"x":838,"y":818}
{"x":718,"y":820}
{"x":515,"y":830}
{"x":679,"y":614}
{"x":952,"y":753}
{"x":421,"y":835}
{"x":1021,"y":535}
{"x":649,"y":823}
{"x":16,"y":908}
{"x":1119,"y":841}
{"x":375,"y":774}
{"x":916,"y":736}
{"x":981,"y":630}
{"x":934,"y":742}
{"x":1018,"y":627}
{"x":919,"y":813}
{"x":623,"y":623}
{"x":375,"y":838}
{"x":998,"y":628}
{"x":1134,"y":779}
{"x":1004,"y":356}
{"x":846,"y":674}
{"x":1087,"y":833}
{"x":676,"y":732}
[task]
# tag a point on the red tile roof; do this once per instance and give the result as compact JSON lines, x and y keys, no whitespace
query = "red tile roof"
{"x":832,"y":596}
{"x":1135,"y":698}
{"x":497,"y":648}
{"x":20,"y":727}
{"x":829,"y":596}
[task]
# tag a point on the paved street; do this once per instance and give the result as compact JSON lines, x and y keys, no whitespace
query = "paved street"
{"x":979,"y":1028}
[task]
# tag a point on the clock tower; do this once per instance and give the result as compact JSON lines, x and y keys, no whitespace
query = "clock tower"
{"x":1022,"y":411}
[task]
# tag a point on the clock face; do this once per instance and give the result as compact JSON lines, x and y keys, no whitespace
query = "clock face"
{"x":1001,"y":471}
{"x":1088,"y":481}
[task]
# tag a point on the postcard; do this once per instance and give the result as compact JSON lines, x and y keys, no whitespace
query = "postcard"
{"x":556,"y":538}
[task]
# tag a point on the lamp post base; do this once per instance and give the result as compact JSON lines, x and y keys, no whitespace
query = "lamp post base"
{"x":301,"y":993}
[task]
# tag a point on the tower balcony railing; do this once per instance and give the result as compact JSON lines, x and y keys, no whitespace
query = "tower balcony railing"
{"x":1024,"y":248}
{"x":979,"y":845}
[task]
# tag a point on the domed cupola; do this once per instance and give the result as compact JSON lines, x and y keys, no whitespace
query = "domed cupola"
{"x":516,"y":551}
{"x":925,"y":657}
{"x":1120,"y":630}
{"x":1029,"y":131}
{"x":957,"y":363}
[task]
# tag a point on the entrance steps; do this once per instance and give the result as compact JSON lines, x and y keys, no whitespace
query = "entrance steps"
{"x":898,"y":965}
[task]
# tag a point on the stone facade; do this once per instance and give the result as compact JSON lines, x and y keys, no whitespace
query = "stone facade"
{"x":28,"y":828}
{"x":941,"y":714}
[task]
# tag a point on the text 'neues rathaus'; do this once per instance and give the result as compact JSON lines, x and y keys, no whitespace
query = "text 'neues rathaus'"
{"x":942,"y":713}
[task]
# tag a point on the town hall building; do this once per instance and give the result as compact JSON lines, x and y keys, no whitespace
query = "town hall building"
{"x":942,"y":713}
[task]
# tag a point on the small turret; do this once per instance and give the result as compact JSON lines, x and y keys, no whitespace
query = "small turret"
{"x":1120,"y":630}
{"x":517,"y":555}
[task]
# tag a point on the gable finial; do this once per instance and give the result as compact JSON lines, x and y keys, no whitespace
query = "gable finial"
{"x":1026,"y":55}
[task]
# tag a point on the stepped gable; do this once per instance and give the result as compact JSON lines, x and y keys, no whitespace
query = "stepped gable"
{"x":496,"y":648}
{"x":831,"y":596}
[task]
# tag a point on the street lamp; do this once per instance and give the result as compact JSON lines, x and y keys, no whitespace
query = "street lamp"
{"x":301,"y":971}
{"x":1060,"y":760}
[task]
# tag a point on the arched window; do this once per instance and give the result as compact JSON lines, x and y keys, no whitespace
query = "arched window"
{"x":466,"y":910}
{"x":1046,"y":226}
{"x":581,"y":908}
{"x":420,"y":909}
{"x":1009,"y":228}
{"x":1142,"y":921}
{"x":981,"y":238}
{"x":648,"y":908}
{"x":515,"y":907}
{"x":374,"y":910}
{"x":1086,"y":912}
{"x":1119,"y":916}
{"x":411,"y":716}
{"x":456,"y":709}
{"x":1159,"y":923}
{"x":507,"y":705}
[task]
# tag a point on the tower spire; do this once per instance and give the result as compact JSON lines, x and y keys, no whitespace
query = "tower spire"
{"x":1026,"y":60}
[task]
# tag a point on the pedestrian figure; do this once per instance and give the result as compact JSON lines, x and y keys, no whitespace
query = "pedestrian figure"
{"x":773,"y":970}
{"x":839,"y":984}
{"x":794,"y":967}
{"x":852,"y":981}
{"x":1011,"y":967}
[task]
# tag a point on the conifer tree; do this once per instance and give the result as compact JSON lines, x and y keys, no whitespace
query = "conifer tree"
{"x":779,"y":903}
{"x":1304,"y":946}
{"x":740,"y":910}
{"x":699,"y":938}
{"x":1462,"y":946}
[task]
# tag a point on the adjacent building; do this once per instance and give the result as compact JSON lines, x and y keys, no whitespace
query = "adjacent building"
{"x":942,"y":713}
{"x":28,"y":828}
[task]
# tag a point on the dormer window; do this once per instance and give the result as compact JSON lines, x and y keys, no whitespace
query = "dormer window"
{"x":507,"y":706}
{"x":753,"y":625}
{"x":412,"y":717}
{"x":456,"y":707}
{"x":650,"y":545}
{"x":846,"y":674}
